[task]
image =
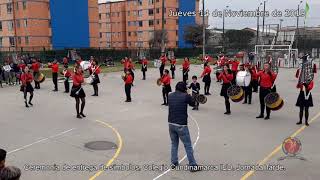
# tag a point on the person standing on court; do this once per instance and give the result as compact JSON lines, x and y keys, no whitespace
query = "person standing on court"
{"x":144,"y":67}
{"x":185,"y":69}
{"x":173,"y":62}
{"x":55,"y":69}
{"x":35,"y":66}
{"x":128,"y":81}
{"x":163,"y":60}
{"x":178,"y":125}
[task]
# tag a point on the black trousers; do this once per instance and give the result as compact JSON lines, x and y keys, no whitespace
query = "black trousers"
{"x":66,"y":85}
{"x":95,"y":88}
{"x":55,"y":80}
{"x":262,"y":94}
{"x":144,"y":74}
{"x":36,"y":84}
{"x":227,"y":104}
{"x":207,"y":87}
{"x":165,"y":95}
{"x":132,"y":73}
{"x":185,"y":75}
{"x":127,"y":88}
{"x":306,"y":109}
{"x":247,"y":94}
{"x":255,"y":85}
{"x":173,"y":74}
{"x":161,"y":69}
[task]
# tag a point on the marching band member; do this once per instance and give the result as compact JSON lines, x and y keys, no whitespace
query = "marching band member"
{"x":173,"y":62}
{"x":305,"y":101}
{"x":128,"y":80}
{"x":55,"y":69}
{"x":220,"y":63}
{"x":35,"y":66}
{"x":195,"y":87}
{"x":234,"y":67}
{"x":226,"y":76}
{"x":144,"y":67}
{"x":267,"y":79}
{"x":66,"y":74}
{"x":185,"y":69}
{"x":166,"y":89}
{"x":255,"y":82}
{"x":206,"y":78}
{"x":163,"y":59}
{"x":125,"y":63}
{"x":94,"y":71}
{"x":248,"y":89}
{"x":77,"y":91}
{"x":206,"y":59}
{"x":65,"y":61}
{"x":26,"y":87}
{"x":131,"y":68}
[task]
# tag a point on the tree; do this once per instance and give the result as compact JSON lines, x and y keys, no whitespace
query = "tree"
{"x":155,"y":41}
{"x":239,"y":39}
{"x":193,"y":35}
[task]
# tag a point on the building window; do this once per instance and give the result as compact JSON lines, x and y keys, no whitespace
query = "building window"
{"x":24,"y":5}
{"x":128,"y":13}
{"x":100,"y":35}
{"x":25,"y":23}
{"x":12,"y":41}
{"x":108,"y":15}
{"x":10,"y":25}
{"x":151,"y":2}
{"x":19,"y":40}
{"x":140,"y":23}
{"x":0,"y":41}
{"x":158,"y":21}
{"x":99,"y":16}
{"x":18,"y":23}
{"x":150,"y":12}
{"x":118,"y":14}
{"x":0,"y":25}
{"x":157,"y":10}
{"x":9,"y":8}
{"x":151,"y":23}
{"x":17,"y":6}
{"x":140,"y":13}
{"x":129,"y":34}
{"x":140,"y":2}
{"x":27,"y":40}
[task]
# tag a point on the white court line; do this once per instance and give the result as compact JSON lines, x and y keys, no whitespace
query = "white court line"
{"x":185,"y":156}
{"x":41,"y":140}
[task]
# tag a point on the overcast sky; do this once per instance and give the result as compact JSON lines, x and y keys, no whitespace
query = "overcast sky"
{"x":271,"y":5}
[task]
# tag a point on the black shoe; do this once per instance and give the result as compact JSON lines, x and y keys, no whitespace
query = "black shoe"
{"x":94,"y":95}
{"x":244,"y":103}
{"x":163,"y":104}
{"x":26,"y":104}
{"x":298,"y":123}
{"x":259,"y":117}
{"x":227,"y":113}
{"x":128,"y":101}
{"x":173,"y":166}
{"x":307,"y":124}
{"x":249,"y":102}
{"x":83,"y":115}
{"x":79,"y":117}
{"x":209,"y":94}
{"x":54,"y":90}
{"x":267,"y":118}
{"x":194,"y":109}
{"x":30,"y":104}
{"x":196,"y":168}
{"x":66,"y":92}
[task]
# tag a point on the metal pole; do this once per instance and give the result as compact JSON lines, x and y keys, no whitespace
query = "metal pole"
{"x":258,"y":21}
{"x":264,"y":15}
{"x":162,"y":35}
{"x":223,"y":30}
{"x":298,"y":34}
{"x":203,"y":31}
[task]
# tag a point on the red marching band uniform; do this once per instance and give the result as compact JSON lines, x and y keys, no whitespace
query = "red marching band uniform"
{"x":207,"y":59}
{"x":166,"y":89}
{"x":173,"y":63}
{"x":26,"y":79}
{"x":144,"y":67}
{"x":128,"y":81}
{"x":163,"y":60}
{"x":206,"y":78}
{"x":185,"y":69}
{"x":227,"y":79}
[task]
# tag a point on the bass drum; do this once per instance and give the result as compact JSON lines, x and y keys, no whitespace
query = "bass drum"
{"x":85,"y":65}
{"x":243,"y":78}
{"x":157,"y":63}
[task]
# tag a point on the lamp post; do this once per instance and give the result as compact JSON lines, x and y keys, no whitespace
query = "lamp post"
{"x":203,"y":31}
{"x":223,"y":30}
{"x":298,"y":34}
{"x":258,"y":24}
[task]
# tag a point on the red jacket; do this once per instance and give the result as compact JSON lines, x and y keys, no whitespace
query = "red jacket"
{"x":54,"y":68}
{"x":77,"y":79}
{"x":309,"y":88}
{"x":186,"y":65}
{"x":266,"y":81}
{"x":207,"y":59}
{"x":22,"y":66}
{"x":128,"y":79}
{"x":144,"y":62}
{"x":67,"y":73}
{"x":254,"y":75}
{"x":35,"y":66}
{"x":235,"y":65}
{"x":173,"y":61}
{"x":206,"y":71}
{"x":166,"y":79}
{"x":26,"y":78}
{"x":125,"y":63}
{"x":96,"y":68}
{"x":226,"y":78}
{"x":163,"y":59}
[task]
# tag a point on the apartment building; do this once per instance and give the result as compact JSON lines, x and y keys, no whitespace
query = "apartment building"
{"x":50,"y":24}
{"x":134,"y":23}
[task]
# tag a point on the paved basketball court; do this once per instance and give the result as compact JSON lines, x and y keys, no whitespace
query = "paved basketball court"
{"x":48,"y":142}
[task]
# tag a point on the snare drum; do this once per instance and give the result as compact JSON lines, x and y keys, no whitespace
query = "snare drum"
{"x":85,"y":65}
{"x":157,"y":63}
{"x":243,"y":78}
